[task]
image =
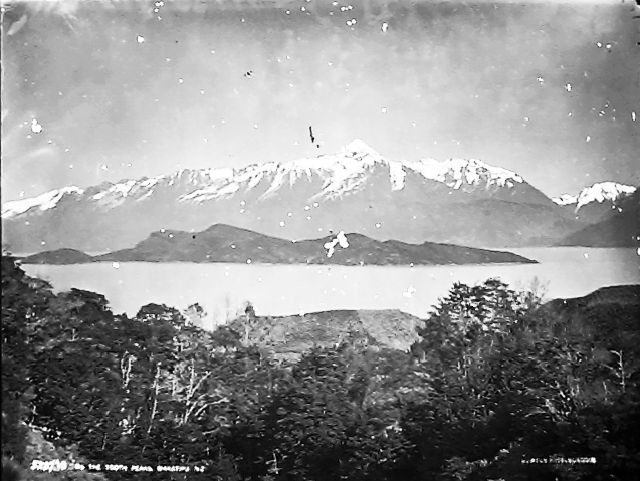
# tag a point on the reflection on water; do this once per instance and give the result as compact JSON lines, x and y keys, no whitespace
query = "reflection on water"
{"x":287,"y":289}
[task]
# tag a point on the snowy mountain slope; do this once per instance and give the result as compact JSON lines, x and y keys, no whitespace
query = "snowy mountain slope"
{"x":596,"y":201}
{"x":355,"y":189}
{"x":42,"y":202}
{"x":619,"y":227}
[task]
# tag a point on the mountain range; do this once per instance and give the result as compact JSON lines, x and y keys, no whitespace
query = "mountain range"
{"x":457,"y":201}
{"x":223,"y":243}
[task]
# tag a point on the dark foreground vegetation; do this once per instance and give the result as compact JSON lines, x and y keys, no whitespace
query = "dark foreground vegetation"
{"x":494,"y":379}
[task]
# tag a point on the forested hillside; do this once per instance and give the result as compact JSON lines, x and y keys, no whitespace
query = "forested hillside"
{"x":496,"y":386}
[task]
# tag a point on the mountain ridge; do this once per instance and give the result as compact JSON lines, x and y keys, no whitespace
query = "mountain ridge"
{"x":355,"y":190}
{"x":224,"y":243}
{"x":593,"y":203}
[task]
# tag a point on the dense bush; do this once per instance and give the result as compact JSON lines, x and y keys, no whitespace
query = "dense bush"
{"x":495,"y":378}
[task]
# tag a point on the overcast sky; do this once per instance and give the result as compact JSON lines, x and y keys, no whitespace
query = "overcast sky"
{"x":116,"y":90}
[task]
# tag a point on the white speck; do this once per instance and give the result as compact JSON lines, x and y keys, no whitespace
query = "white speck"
{"x":242,"y":20}
{"x":306,"y":207}
{"x":385,"y":26}
{"x":633,"y":116}
{"x":599,"y":44}
{"x":302,"y":9}
{"x":180,"y":80}
{"x":288,"y":12}
{"x":320,"y":229}
{"x":541,"y":80}
{"x":308,"y":217}
{"x":409,"y":292}
{"x":586,"y":255}
{"x":290,"y":85}
{"x":608,"y":46}
{"x":71,"y":166}
{"x":526,"y":119}
{"x":202,"y":92}
{"x":140,"y":39}
{"x":378,"y":225}
{"x":233,"y":246}
{"x":289,"y":214}
{"x":281,"y":223}
{"x":384,"y":110}
{"x":255,"y":126}
{"x":104,"y":167}
{"x":588,"y":139}
{"x":43,"y":243}
{"x":315,"y":204}
{"x":242,"y":211}
{"x":163,"y":230}
{"x":638,"y":251}
{"x":248,"y":261}
{"x":340,"y":239}
{"x":115,"y":265}
{"x":568,"y":87}
{"x":36,"y":128}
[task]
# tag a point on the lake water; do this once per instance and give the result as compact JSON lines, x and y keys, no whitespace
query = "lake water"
{"x":290,"y":289}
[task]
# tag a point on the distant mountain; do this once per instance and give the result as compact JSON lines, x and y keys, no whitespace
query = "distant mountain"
{"x":619,"y":228}
{"x":223,"y":243}
{"x":58,"y":256}
{"x":595,"y":202}
{"x":290,"y":336}
{"x":356,"y":190}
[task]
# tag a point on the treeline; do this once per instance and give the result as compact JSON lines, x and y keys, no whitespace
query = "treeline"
{"x":496,"y":380}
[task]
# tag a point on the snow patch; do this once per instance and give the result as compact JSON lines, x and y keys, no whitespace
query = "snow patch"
{"x":603,"y":191}
{"x":599,"y":192}
{"x":456,"y":172}
{"x":565,"y":199}
{"x":43,"y":202}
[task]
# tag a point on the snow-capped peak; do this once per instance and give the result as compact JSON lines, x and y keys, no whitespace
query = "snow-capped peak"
{"x":566,"y":199}
{"x":599,"y":192}
{"x":456,"y":172}
{"x":359,"y":148}
{"x":43,"y":202}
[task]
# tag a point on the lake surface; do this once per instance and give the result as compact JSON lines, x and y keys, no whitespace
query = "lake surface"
{"x":292,"y":289}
